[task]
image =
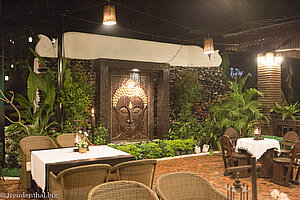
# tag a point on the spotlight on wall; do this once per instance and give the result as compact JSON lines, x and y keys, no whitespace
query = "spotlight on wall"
{"x":30,"y":39}
{"x":12,"y":66}
{"x":109,"y":14}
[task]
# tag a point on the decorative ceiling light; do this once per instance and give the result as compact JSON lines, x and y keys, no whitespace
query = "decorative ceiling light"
{"x":208,"y":45}
{"x":109,"y":14}
{"x":269,"y":59}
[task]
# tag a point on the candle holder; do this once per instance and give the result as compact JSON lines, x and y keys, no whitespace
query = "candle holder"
{"x":257,"y":131}
{"x":76,"y":139}
{"x":238,"y":190}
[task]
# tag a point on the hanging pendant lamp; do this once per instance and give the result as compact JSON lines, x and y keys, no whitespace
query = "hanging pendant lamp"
{"x":109,"y":14}
{"x":208,"y":45}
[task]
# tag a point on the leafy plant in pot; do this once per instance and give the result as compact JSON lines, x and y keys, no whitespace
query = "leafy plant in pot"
{"x":287,"y":111}
{"x":239,"y":108}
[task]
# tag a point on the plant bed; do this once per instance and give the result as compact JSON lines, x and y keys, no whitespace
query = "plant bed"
{"x":11,"y":172}
{"x":157,"y":148}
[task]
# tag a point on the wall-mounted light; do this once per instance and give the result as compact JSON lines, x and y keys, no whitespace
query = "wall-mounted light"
{"x":269,"y":59}
{"x":6,"y":78}
{"x":30,"y":39}
{"x":109,"y":14}
{"x":208,"y":45}
{"x":12,"y":66}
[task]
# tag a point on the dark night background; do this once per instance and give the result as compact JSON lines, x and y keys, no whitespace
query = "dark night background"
{"x":172,"y":21}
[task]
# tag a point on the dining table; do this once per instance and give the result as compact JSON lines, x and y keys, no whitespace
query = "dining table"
{"x":57,"y":160}
{"x":262,"y":150}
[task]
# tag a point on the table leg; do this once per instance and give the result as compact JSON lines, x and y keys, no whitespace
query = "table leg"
{"x":266,"y":161}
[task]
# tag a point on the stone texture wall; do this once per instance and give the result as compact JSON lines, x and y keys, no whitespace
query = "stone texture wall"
{"x":213,"y":88}
{"x":210,"y":77}
{"x":86,"y":64}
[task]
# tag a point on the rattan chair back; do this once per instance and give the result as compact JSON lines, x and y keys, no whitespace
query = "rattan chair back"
{"x":76,"y":182}
{"x":28,"y":144}
{"x":67,"y":140}
{"x":185,"y":186}
{"x":122,"y":190}
{"x":139,"y":170}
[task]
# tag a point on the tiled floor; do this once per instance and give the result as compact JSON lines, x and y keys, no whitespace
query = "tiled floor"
{"x":210,"y":167}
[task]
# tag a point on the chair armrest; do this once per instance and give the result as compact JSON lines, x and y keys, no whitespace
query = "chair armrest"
{"x":53,"y":176}
{"x":54,"y":183}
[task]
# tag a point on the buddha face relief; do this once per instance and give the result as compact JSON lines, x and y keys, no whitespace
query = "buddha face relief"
{"x":129,"y":105}
{"x":130,"y":115}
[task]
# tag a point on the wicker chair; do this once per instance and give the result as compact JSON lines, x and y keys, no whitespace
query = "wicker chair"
{"x":233,"y":135}
{"x":185,"y":185}
{"x":284,"y":166}
{"x":67,"y":140}
{"x":232,"y":158}
{"x":76,"y":182}
{"x":122,"y":190}
{"x":139,"y":170}
{"x":26,"y":145}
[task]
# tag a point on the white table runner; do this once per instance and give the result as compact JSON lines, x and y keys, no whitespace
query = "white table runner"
{"x":257,"y":147}
{"x":39,"y":159}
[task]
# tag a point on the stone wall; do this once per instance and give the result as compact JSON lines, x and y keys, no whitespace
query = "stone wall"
{"x":213,"y":88}
{"x":210,"y":77}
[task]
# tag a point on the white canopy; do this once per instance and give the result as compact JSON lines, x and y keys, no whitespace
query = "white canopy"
{"x":92,"y":46}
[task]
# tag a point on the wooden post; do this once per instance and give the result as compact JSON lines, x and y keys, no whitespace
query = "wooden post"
{"x":163,"y":93}
{"x":254,"y":178}
{"x":269,"y":83}
{"x":2,"y":114}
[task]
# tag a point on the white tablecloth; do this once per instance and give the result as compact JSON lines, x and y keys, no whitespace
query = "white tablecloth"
{"x":39,"y":159}
{"x":257,"y":147}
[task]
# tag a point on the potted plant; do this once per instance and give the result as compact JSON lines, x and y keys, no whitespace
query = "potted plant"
{"x":82,"y":146}
{"x":286,"y":111}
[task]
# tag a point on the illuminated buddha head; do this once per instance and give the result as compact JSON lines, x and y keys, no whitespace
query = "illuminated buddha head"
{"x":130,"y":103}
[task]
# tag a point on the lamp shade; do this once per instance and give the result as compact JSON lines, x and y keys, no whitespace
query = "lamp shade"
{"x":208,"y":45}
{"x":109,"y":15}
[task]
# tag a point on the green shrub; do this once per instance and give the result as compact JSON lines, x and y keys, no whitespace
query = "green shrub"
{"x":190,"y":144}
{"x":168,"y":149}
{"x":11,"y":172}
{"x":184,"y":130}
{"x":132,"y":149}
{"x":280,"y":139}
{"x":100,"y":135}
{"x":151,"y":150}
{"x":156,"y":149}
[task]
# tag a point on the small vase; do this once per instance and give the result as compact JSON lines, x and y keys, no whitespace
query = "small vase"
{"x":205,"y":148}
{"x":82,"y":150}
{"x":197,"y":149}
